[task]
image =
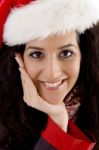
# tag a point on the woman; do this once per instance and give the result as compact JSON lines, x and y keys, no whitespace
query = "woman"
{"x":50,"y":102}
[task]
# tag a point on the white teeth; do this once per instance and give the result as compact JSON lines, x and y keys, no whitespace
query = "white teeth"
{"x":52,"y":84}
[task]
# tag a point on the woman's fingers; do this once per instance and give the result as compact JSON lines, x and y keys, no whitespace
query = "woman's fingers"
{"x":30,"y":92}
{"x":19,"y":60}
{"x":28,"y":79}
{"x":24,"y":87}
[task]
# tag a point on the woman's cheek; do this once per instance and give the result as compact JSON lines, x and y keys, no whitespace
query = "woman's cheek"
{"x":72,"y":69}
{"x":74,"y":72}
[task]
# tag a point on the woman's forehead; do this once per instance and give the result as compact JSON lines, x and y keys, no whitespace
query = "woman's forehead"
{"x":69,"y":37}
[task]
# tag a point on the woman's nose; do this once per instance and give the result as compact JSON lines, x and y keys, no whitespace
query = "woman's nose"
{"x":53,"y":70}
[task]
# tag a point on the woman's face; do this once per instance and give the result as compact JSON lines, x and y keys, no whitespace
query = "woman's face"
{"x":53,"y":64}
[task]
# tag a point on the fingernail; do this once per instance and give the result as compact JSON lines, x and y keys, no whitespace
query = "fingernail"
{"x":15,"y":58}
{"x":20,"y":69}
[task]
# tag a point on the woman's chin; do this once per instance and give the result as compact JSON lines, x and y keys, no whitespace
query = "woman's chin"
{"x":53,"y":99}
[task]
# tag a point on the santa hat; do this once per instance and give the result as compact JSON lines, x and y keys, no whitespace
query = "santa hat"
{"x":23,"y":20}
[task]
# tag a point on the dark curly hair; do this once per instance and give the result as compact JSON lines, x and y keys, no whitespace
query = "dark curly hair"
{"x":21,"y":125}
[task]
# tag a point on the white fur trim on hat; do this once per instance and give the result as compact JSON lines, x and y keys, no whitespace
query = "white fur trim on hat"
{"x":42,"y":18}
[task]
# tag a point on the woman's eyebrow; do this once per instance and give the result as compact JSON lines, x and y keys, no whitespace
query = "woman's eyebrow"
{"x":42,"y":49}
{"x":35,"y":47}
{"x":66,"y":46}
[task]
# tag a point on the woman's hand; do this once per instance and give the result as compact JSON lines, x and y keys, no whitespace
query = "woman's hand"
{"x":31,"y":97}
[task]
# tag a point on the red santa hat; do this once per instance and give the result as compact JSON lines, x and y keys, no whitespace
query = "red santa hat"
{"x":23,"y":20}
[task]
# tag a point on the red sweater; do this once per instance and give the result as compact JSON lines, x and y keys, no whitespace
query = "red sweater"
{"x":54,"y":138}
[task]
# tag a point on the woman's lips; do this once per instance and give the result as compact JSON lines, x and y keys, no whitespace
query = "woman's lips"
{"x":52,"y":86}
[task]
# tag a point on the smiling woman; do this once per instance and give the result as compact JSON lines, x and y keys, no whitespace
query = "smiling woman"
{"x":53,"y":64}
{"x":49,"y":72}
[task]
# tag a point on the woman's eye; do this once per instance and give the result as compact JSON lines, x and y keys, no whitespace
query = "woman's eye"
{"x":37,"y":54}
{"x":66,"y":53}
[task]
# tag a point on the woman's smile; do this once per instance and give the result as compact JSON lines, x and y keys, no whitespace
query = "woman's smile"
{"x":52,"y":85}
